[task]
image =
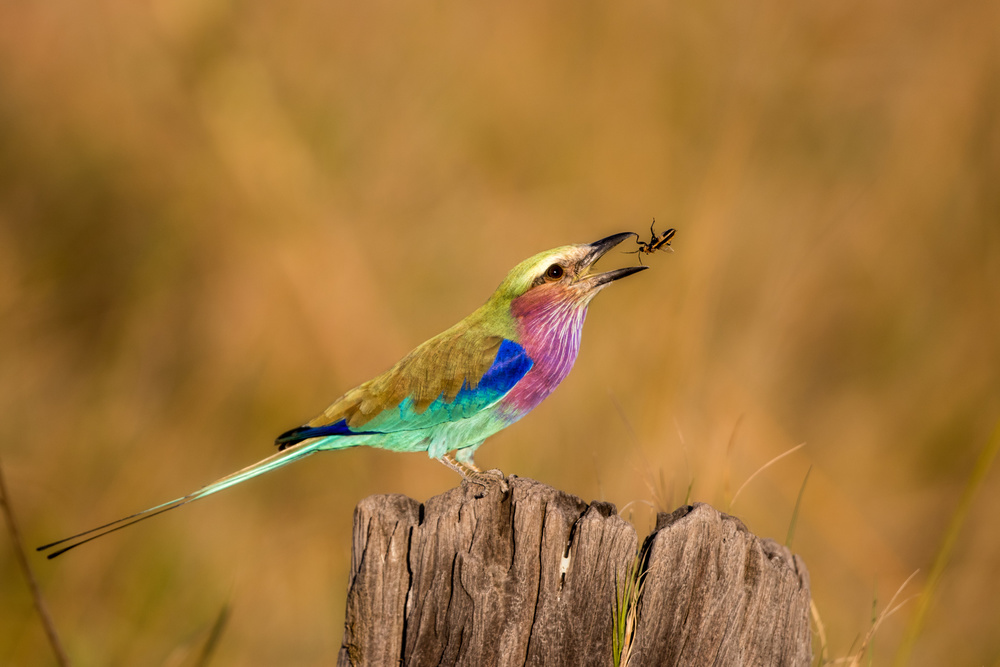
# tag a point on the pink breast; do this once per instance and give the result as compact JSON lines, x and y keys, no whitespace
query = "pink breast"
{"x":550,"y":334}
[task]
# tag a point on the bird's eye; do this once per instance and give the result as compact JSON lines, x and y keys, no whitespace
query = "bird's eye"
{"x":554,"y":272}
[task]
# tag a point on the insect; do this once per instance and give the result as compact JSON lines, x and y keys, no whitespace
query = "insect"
{"x":654,"y":243}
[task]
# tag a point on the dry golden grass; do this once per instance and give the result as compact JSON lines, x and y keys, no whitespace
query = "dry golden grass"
{"x":215,"y":217}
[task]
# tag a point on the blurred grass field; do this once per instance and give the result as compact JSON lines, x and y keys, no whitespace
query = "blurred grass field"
{"x":215,"y":217}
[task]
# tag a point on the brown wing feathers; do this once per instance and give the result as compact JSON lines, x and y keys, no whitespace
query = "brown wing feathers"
{"x":437,"y":369}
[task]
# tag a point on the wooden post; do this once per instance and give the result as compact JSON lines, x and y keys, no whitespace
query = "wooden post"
{"x":519,"y":573}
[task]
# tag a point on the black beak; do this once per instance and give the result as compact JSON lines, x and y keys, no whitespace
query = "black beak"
{"x":597,"y":250}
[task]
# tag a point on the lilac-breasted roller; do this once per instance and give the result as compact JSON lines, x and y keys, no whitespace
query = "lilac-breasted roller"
{"x":458,"y":388}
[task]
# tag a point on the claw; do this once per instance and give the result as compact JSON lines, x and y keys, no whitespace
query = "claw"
{"x":487,"y":478}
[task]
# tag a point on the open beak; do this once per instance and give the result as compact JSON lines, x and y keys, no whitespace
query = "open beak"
{"x":597,"y":250}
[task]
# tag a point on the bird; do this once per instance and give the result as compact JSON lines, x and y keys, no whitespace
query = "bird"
{"x":456,"y":389}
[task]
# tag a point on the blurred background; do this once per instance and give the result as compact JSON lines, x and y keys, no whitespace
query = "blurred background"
{"x":216,"y":217}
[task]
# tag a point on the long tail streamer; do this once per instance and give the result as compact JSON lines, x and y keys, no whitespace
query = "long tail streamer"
{"x":270,"y":463}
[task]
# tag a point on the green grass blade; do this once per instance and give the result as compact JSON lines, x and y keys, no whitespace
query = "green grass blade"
{"x":795,"y":511}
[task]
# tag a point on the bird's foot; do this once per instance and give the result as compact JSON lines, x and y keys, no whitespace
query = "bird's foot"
{"x":488,"y":478}
{"x":494,"y":474}
{"x":473,"y":475}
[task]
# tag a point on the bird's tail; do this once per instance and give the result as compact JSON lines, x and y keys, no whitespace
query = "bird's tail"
{"x":278,"y":460}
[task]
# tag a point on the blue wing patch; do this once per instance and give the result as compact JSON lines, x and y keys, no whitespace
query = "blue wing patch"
{"x":511,"y":364}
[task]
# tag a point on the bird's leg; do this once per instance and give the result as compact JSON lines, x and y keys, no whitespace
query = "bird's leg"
{"x":464,"y":456}
{"x":463,"y":468}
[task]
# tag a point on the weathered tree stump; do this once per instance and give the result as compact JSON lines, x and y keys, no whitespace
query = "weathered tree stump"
{"x":519,"y":573}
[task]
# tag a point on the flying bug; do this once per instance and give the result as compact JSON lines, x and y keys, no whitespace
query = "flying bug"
{"x":655,"y":242}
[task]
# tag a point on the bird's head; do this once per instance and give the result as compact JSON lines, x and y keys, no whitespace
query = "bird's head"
{"x":560,"y":277}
